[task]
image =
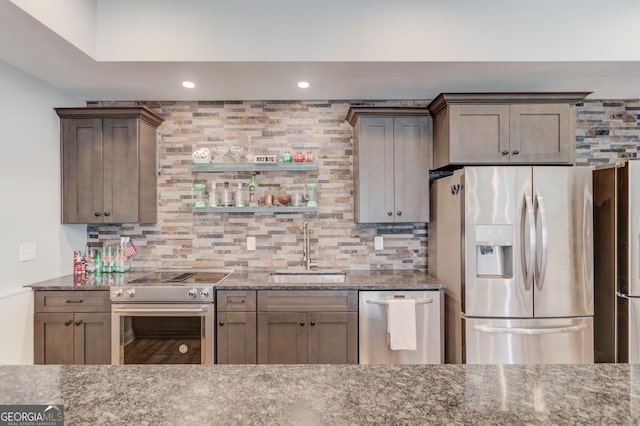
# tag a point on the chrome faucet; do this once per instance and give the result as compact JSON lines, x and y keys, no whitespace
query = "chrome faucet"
{"x":306,"y":246}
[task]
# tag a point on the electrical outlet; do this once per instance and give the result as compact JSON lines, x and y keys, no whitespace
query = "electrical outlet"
{"x":27,"y":252}
{"x":378,"y":243}
{"x":251,"y":243}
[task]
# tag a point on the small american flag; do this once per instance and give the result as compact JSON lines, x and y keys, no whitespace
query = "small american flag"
{"x":128,"y":249}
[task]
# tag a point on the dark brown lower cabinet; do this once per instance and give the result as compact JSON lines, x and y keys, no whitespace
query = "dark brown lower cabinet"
{"x":294,"y":328}
{"x":236,"y":327}
{"x":236,"y":337}
{"x":282,"y":338}
{"x":72,"y":327}
{"x":72,"y":338}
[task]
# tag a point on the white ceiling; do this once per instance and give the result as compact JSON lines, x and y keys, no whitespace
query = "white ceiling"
{"x":348,"y":49}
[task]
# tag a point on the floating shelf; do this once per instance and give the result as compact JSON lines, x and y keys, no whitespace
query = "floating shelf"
{"x":253,"y":167}
{"x":259,"y":209}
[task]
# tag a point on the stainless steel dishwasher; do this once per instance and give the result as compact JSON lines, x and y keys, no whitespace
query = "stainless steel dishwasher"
{"x":372,"y":316}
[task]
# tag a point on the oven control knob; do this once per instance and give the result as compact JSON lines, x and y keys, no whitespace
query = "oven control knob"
{"x":204,"y":293}
{"x":192,"y":292}
{"x":117,"y":293}
{"x":130,"y":293}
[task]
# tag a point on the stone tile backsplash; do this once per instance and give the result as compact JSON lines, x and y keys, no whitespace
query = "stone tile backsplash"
{"x":218,"y":240}
{"x":605,"y":131}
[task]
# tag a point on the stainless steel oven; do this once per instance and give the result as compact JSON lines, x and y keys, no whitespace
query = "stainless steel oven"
{"x":161,"y":333}
{"x":165,"y":317}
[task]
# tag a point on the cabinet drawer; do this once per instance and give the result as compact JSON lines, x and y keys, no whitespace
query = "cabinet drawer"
{"x":308,"y":300}
{"x":236,"y":300}
{"x":72,"y":301}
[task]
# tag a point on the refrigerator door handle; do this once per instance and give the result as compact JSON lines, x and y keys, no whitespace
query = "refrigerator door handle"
{"x":541,"y":264}
{"x":527,"y":251}
{"x":530,"y":331}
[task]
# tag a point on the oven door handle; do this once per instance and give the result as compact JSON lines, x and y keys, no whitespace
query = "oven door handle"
{"x":158,"y":310}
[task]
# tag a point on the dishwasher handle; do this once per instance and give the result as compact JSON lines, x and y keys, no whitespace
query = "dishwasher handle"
{"x":386,"y":301}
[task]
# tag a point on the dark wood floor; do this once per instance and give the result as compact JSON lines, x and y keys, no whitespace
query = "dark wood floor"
{"x":162,"y":351}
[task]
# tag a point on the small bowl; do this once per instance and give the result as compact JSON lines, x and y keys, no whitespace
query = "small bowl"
{"x":284,"y":199}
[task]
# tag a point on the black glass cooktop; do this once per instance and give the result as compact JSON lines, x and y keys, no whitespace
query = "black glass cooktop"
{"x":179,"y":278}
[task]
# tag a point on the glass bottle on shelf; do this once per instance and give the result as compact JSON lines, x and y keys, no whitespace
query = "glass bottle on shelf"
{"x":239,"y":196}
{"x":253,"y":191}
{"x":226,"y":195}
{"x":213,"y":196}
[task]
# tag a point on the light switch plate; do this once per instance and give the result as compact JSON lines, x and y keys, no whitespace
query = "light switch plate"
{"x":251,"y":243}
{"x":27,"y":252}
{"x":378,"y":243}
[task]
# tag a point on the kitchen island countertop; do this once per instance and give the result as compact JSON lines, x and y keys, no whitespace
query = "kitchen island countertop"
{"x":330,"y":394}
{"x":259,"y":280}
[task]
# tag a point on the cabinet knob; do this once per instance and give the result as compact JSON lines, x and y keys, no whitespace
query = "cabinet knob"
{"x":221,"y":323}
{"x":399,"y":213}
{"x":77,"y":323}
{"x":312,"y":323}
{"x":301,"y":322}
{"x":389,"y":213}
{"x":505,"y":152}
{"x":96,"y":214}
{"x":107,"y":214}
{"x":516,"y":152}
{"x":68,"y":322}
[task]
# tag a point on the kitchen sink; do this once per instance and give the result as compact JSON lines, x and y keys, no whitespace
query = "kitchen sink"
{"x":304,"y":276}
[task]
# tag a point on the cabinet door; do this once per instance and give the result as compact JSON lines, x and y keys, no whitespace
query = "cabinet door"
{"x":236,"y":336}
{"x":82,"y":170}
{"x":282,"y":338}
{"x":333,"y":338}
{"x":120,"y":170}
{"x":53,"y":338}
{"x":479,"y":134}
{"x":92,"y":338}
{"x":541,"y":134}
{"x":411,"y":169}
{"x":374,"y":170}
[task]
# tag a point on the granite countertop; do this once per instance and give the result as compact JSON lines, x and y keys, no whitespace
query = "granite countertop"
{"x":259,"y":280}
{"x":331,"y":394}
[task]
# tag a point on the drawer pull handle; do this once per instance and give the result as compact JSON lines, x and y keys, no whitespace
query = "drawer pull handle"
{"x":75,"y":301}
{"x":68,"y":322}
{"x":77,"y":323}
{"x":232,"y":301}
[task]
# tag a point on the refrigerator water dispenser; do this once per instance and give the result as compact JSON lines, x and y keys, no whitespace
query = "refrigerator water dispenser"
{"x":494,"y":251}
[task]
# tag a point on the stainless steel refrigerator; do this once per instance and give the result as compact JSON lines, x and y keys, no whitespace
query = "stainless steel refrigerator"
{"x":617,"y":267}
{"x":514,"y":247}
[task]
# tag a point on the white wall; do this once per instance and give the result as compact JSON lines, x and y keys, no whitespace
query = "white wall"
{"x":74,"y":20}
{"x":366,"y":30}
{"x":30,"y":197}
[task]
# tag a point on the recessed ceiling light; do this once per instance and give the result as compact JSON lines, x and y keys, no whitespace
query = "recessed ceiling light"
{"x":303,"y":84}
{"x":188,"y":84}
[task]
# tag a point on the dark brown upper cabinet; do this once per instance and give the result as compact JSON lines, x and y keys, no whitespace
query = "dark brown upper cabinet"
{"x":504,"y":128}
{"x":108,"y":165}
{"x":391,"y":164}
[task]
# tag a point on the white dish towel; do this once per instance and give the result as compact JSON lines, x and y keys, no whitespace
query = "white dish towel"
{"x":401,"y":324}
